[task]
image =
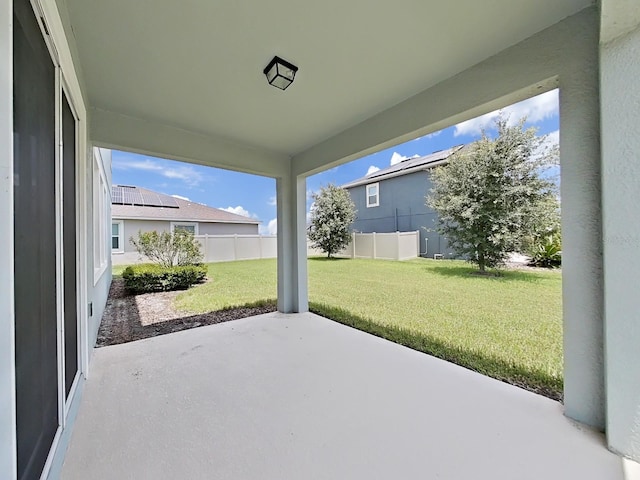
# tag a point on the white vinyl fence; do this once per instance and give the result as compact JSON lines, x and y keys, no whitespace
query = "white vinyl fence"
{"x":227,"y":248}
{"x":385,"y":246}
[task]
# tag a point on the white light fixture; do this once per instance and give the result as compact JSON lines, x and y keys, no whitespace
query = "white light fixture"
{"x":280,"y":73}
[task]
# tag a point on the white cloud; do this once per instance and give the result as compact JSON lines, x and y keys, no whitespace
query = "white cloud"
{"x":428,"y":135}
{"x":273,"y":201}
{"x":372,"y":169}
{"x":186,"y":173}
{"x":240,"y":210}
{"x":397,"y":158}
{"x":535,"y":109}
{"x":181,"y":197}
{"x":272,"y":227}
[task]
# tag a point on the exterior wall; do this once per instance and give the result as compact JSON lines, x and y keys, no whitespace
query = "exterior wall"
{"x":621,"y":229}
{"x":132,"y":227}
{"x":402,"y":207}
{"x":99,"y":288}
{"x":227,"y":229}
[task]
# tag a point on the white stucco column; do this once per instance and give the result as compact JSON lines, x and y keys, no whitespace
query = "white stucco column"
{"x":8,"y":466}
{"x":582,"y":282}
{"x":620,"y":94}
{"x":292,"y":244}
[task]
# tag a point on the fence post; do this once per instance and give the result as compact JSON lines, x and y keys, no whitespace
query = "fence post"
{"x":353,"y":244}
{"x":418,"y":244}
{"x":373,"y":247}
{"x":206,"y":252}
{"x":260,"y":245}
{"x":397,"y":245}
{"x":235,"y":247}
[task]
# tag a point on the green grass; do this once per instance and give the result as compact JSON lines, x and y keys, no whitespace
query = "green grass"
{"x":117,"y":270}
{"x":232,"y":284}
{"x":508,"y":327}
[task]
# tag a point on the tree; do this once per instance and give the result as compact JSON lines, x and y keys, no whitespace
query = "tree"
{"x":169,"y":248}
{"x":492,"y":195}
{"x":332,"y":214}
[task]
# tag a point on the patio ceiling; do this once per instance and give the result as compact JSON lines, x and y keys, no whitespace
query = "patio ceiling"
{"x":197,"y":65}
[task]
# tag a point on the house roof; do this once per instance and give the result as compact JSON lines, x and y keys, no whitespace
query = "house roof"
{"x":129,"y":203}
{"x":407,"y":166}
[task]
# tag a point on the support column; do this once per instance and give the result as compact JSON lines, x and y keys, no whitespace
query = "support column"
{"x":8,"y":468}
{"x":292,"y":244}
{"x":582,"y":277}
{"x":621,"y":230}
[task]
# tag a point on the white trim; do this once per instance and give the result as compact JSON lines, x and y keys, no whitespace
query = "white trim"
{"x":185,"y":224}
{"x":120,"y":236}
{"x":377,"y":194}
{"x":8,"y":439}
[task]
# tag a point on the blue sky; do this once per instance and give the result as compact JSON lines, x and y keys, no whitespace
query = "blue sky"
{"x":254,"y":196}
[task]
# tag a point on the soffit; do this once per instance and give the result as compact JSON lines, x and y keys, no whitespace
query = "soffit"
{"x":197,"y":65}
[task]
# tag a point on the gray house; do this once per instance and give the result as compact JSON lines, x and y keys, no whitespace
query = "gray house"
{"x":394,"y":200}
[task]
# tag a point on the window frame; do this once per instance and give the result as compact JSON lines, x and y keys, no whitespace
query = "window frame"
{"x":120,"y":236}
{"x":368,"y":195}
{"x":185,"y":224}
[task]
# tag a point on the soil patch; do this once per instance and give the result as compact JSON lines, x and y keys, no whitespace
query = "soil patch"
{"x":128,"y":317}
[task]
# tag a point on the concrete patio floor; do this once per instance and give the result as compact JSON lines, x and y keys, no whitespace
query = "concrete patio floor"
{"x":301,"y":397}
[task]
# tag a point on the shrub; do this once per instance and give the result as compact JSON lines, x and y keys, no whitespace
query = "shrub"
{"x":169,"y":248}
{"x":547,"y":252}
{"x":148,"y":277}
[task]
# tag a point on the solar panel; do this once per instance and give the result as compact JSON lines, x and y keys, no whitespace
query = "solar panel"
{"x":125,"y":195}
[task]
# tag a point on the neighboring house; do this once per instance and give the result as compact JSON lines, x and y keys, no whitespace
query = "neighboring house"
{"x":394,"y":200}
{"x":135,"y":209}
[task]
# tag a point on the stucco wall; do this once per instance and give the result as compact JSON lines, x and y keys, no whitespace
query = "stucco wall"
{"x":132,"y":227}
{"x":402,"y":208}
{"x":620,"y":94}
{"x":227,"y":229}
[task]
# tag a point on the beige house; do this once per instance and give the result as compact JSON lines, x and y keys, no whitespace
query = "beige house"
{"x":136,"y":209}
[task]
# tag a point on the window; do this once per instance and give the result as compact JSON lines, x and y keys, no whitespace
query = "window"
{"x":189,"y":227}
{"x":116,"y":237}
{"x":373,"y":195}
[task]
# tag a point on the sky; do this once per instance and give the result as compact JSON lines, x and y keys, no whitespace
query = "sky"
{"x":255,"y":196}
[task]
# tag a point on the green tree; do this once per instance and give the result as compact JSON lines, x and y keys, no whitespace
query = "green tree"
{"x":169,"y":248}
{"x":491,"y":195}
{"x":332,"y":214}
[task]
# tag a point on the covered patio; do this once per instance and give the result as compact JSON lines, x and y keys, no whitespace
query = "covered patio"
{"x":293,"y":395}
{"x":301,"y":397}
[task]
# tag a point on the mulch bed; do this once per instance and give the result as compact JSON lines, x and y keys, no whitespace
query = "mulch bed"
{"x":129,"y":317}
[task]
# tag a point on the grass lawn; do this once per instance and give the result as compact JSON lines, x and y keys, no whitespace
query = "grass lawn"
{"x":508,"y":327}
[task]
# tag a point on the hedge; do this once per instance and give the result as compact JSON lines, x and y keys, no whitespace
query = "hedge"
{"x":149,"y":277}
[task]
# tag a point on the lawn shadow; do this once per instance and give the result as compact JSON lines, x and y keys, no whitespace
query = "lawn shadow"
{"x":500,"y":275}
{"x":326,"y":259}
{"x":533,"y":380}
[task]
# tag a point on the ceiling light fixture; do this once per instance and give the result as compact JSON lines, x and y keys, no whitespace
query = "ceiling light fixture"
{"x":280,"y":73}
